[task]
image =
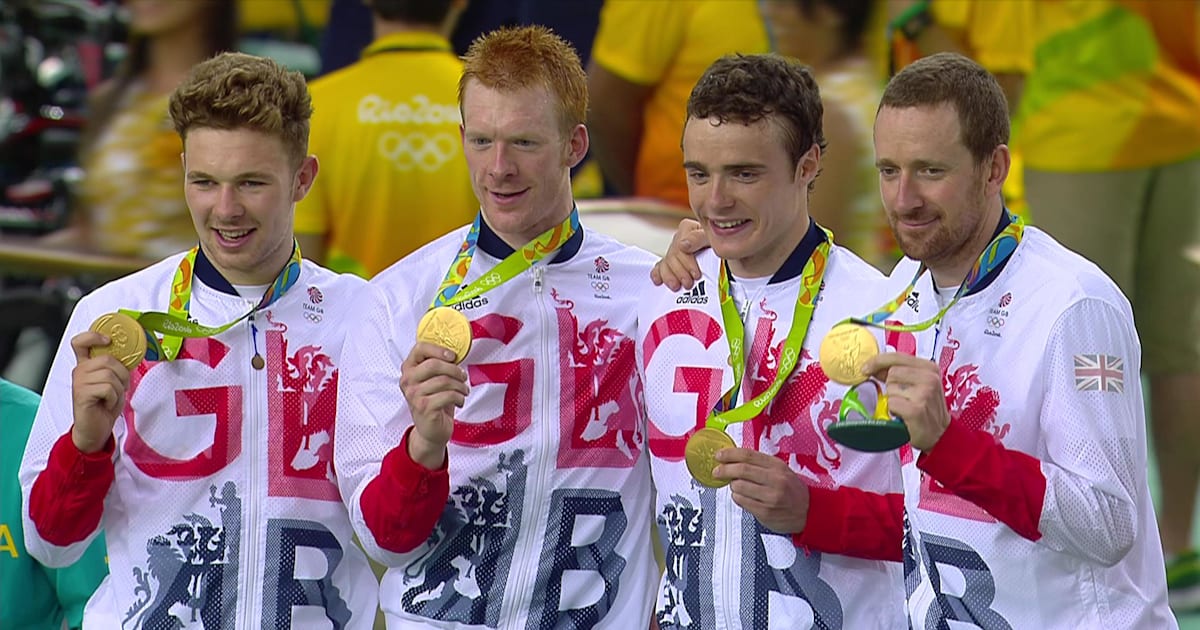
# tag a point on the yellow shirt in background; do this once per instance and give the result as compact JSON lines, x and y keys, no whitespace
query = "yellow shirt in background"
{"x":280,"y":15}
{"x":1114,"y":84}
{"x":392,"y":174}
{"x":669,"y":45}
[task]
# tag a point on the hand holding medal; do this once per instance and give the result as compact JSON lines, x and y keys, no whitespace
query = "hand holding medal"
{"x":845,"y":350}
{"x":849,"y":346}
{"x":700,"y":453}
{"x":98,"y":386}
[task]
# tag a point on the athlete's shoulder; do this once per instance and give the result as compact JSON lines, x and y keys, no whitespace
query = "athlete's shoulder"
{"x":1043,"y":265}
{"x":139,"y":288}
{"x":431,"y":259}
{"x":656,"y":300}
{"x":629,"y":257}
{"x":846,"y":263}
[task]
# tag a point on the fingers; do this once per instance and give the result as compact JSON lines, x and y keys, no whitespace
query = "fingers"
{"x":678,"y":269}
{"x":431,"y":382}
{"x":98,"y":386}
{"x":747,"y":465}
{"x":692,"y":236}
{"x":83,"y":343}
{"x":881,"y":364}
{"x":431,"y":377}
{"x":102,"y":380}
{"x":424,"y":350}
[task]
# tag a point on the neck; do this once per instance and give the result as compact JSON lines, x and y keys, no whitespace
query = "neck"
{"x":767,"y":262}
{"x":517,"y":240}
{"x":263,"y":274}
{"x":954,"y":268}
{"x":394,"y":27}
{"x":759,"y":268}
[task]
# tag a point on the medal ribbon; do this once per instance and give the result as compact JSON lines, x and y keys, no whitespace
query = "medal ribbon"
{"x":174,"y":324}
{"x":545,"y":243}
{"x":1002,"y":246}
{"x":725,"y":412}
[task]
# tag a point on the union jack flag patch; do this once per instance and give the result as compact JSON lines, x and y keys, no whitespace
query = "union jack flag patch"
{"x":1099,"y":373}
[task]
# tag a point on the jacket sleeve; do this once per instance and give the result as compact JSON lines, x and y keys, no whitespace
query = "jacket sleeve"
{"x":401,"y":505}
{"x":853,"y":522}
{"x":62,"y":490}
{"x":1081,"y":495}
{"x":394,"y":503}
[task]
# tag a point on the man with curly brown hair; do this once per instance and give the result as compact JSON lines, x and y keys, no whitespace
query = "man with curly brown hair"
{"x":194,"y":420}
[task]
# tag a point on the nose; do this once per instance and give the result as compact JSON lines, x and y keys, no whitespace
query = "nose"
{"x":718,"y":193}
{"x":501,"y":164}
{"x":906,"y":194}
{"x":227,"y":203}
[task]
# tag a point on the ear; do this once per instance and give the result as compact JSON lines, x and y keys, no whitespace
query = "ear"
{"x":808,"y":166}
{"x":997,"y":169}
{"x":577,"y":145}
{"x":305,"y":177}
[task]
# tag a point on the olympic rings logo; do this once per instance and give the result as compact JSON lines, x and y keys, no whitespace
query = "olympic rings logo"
{"x":789,"y":357}
{"x":312,"y":317}
{"x":599,"y":286}
{"x":995,"y":322}
{"x":408,"y":151}
{"x":490,"y":280}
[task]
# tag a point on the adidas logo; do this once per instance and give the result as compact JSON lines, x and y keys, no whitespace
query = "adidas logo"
{"x":474,"y":302}
{"x":913,"y":301}
{"x":696,"y":296}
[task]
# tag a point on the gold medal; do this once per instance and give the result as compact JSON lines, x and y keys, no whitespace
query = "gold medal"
{"x":448,"y":328}
{"x":844,"y":351}
{"x":127,"y":340}
{"x":700,"y":454}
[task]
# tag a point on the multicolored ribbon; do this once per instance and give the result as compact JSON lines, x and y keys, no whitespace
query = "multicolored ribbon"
{"x":725,"y":413}
{"x":174,"y":324}
{"x":998,"y":250}
{"x":450,"y":293}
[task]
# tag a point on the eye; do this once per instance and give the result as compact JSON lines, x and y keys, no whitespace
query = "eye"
{"x":888,"y":171}
{"x":479,"y":142}
{"x":696,"y":176}
{"x":252,"y":183}
{"x":746,"y":176}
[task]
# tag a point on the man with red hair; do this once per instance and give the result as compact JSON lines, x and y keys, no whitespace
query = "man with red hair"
{"x":511,"y":490}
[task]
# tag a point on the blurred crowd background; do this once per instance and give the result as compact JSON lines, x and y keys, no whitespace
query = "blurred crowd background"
{"x":1104,"y":94}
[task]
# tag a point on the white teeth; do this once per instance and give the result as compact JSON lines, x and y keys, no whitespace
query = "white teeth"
{"x":225,"y":234}
{"x":728,"y":224}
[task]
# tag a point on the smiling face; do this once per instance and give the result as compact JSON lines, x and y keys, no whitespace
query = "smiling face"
{"x":750,"y":199}
{"x":942,"y":204}
{"x":241,"y":189}
{"x":520,"y":159}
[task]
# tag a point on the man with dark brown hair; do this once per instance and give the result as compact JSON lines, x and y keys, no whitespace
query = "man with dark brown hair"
{"x":1015,"y":370}
{"x":782,"y":539}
